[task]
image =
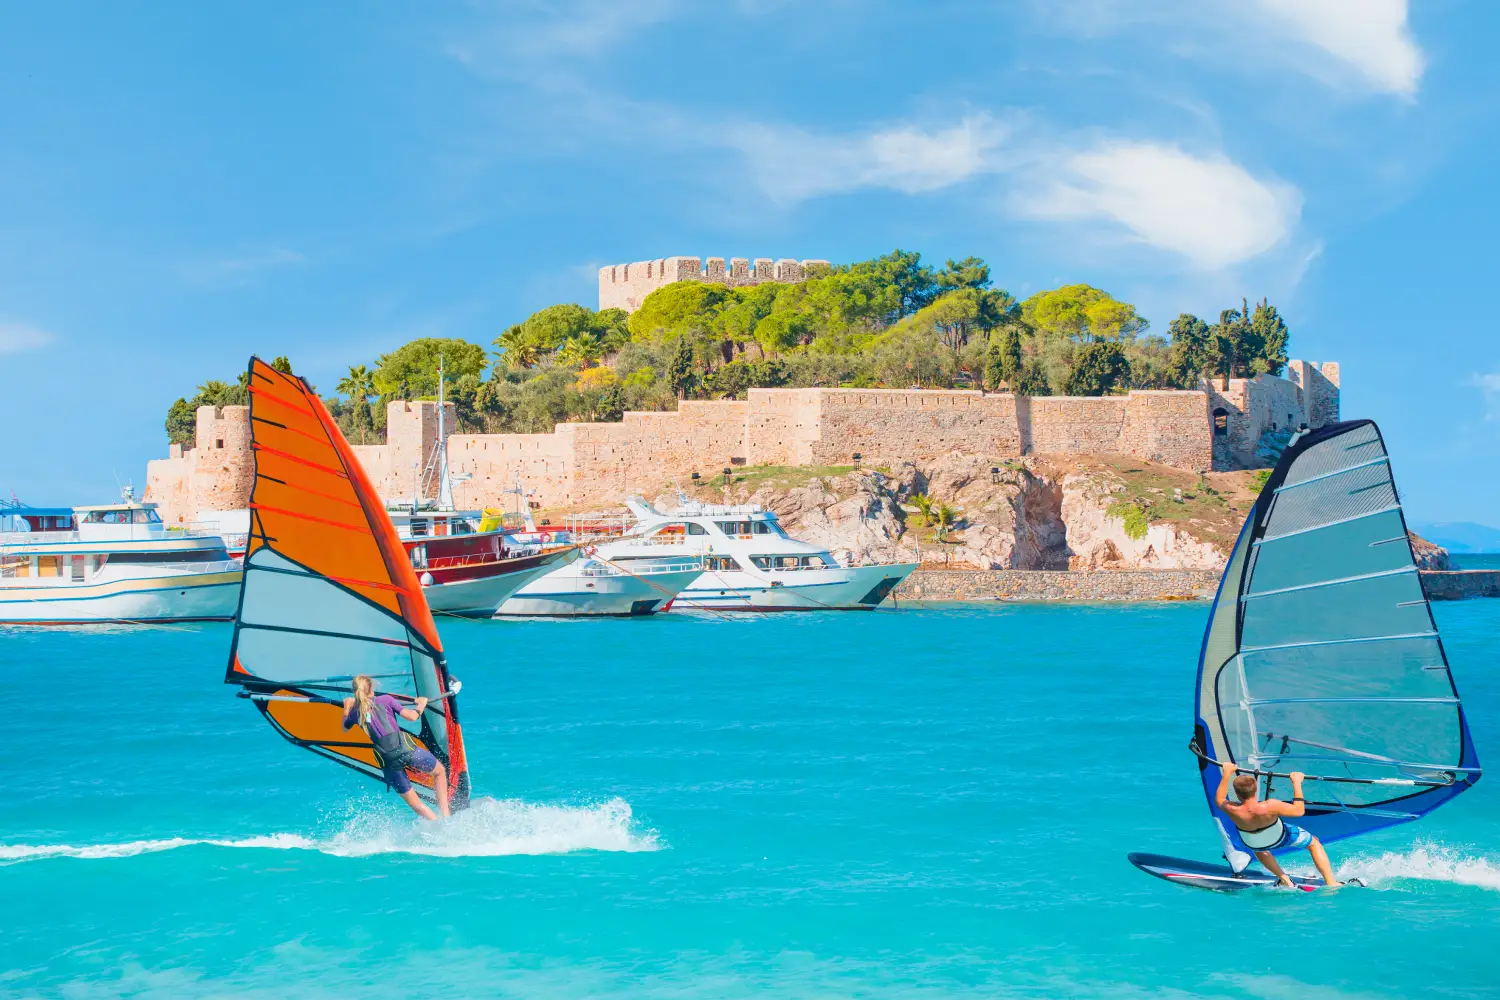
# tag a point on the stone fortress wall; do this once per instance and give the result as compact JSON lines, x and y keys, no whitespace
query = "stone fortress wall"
{"x":1217,"y":427}
{"x":625,"y":286}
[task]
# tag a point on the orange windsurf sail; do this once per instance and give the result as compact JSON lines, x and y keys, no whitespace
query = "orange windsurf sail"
{"x":328,"y":593}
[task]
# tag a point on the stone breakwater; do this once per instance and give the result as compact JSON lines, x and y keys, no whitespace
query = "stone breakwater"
{"x":1057,"y":585}
{"x":1132,"y":585}
{"x":1456,"y":585}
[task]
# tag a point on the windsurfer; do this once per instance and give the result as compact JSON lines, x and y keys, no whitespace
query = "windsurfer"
{"x":377,"y":714}
{"x":1261,"y":824}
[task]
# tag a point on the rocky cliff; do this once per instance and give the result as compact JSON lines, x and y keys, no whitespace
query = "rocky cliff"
{"x":1093,"y":513}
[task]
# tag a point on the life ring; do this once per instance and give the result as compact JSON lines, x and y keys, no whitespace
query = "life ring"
{"x":545,"y":537}
{"x":592,"y":550}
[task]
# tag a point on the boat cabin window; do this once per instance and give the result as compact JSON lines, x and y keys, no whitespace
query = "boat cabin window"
{"x":107,"y":517}
{"x":733,"y":528}
{"x":721,"y":564}
{"x":764,"y":528}
{"x":696,"y":529}
{"x":786,"y":563}
{"x":419,"y":527}
{"x":144,"y":515}
{"x":669,"y":532}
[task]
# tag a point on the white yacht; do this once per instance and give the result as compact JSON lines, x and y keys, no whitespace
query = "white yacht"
{"x":594,"y":584}
{"x":749,"y":563}
{"x":110,"y":563}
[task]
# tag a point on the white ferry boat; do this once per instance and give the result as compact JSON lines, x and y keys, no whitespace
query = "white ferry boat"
{"x":749,"y":563}
{"x":113,"y":563}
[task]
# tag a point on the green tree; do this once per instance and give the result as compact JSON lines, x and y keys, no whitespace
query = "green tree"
{"x":411,"y":371}
{"x":971,"y":272}
{"x":1193,"y":351}
{"x":359,"y":386}
{"x":1003,"y":363}
{"x":681,"y":373}
{"x":1270,"y":336}
{"x":902,"y":270}
{"x":683,"y":309}
{"x":1098,"y":368}
{"x":519,"y":349}
{"x":1032,"y":381}
{"x":1082,"y":313}
{"x":581,"y":351}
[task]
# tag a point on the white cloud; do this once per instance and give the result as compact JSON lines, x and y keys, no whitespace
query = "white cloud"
{"x":1371,"y":37}
{"x":1209,"y":210}
{"x":1490,"y":386}
{"x":791,"y":165}
{"x":18,"y":337}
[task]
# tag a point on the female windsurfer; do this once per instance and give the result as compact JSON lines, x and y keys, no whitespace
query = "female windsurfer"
{"x":377,"y":714}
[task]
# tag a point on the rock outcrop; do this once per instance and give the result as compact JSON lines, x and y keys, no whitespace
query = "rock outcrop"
{"x":1098,"y":539}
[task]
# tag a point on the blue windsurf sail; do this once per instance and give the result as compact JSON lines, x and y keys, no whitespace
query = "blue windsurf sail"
{"x":1321,"y":653}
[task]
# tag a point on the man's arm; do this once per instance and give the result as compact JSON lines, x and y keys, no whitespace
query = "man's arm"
{"x":414,"y":713}
{"x":1297,"y":806}
{"x":1221,"y":797}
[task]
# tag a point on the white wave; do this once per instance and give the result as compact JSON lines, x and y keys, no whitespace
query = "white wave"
{"x":488,"y":828}
{"x":1424,"y":863}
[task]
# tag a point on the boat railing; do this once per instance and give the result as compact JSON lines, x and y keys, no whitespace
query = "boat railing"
{"x":639,"y":567}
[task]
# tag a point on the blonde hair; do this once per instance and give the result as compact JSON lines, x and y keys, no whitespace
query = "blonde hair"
{"x":364,"y":696}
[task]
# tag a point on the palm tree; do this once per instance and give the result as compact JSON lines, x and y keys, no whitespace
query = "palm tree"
{"x":942,"y":518}
{"x":518,"y":349}
{"x":581,"y":351}
{"x":359,"y":386}
{"x":924,"y":505}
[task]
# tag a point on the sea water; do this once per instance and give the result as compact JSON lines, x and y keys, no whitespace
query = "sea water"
{"x":930,"y":802}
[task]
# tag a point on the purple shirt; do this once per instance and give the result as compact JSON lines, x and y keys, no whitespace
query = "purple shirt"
{"x":383,"y":711}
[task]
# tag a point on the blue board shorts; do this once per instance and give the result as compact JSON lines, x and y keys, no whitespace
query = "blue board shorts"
{"x":421,"y":760}
{"x":1293,"y":838}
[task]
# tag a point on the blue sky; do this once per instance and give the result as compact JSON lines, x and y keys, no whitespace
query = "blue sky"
{"x":180,"y":189}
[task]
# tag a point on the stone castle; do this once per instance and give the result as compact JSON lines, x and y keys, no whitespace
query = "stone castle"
{"x":1219,"y":426}
{"x":625,"y":286}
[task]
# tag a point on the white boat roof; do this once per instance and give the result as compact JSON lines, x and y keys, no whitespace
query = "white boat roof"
{"x":123,"y":505}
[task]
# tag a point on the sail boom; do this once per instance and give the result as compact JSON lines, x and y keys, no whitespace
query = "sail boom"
{"x":1350,"y":700}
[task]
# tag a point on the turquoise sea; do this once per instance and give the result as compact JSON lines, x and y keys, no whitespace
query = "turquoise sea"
{"x":930,"y":802}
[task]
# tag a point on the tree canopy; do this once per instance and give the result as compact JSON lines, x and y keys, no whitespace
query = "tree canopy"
{"x":891,"y":321}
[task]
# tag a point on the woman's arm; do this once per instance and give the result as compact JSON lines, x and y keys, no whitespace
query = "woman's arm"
{"x":348,"y":713}
{"x":414,"y":713}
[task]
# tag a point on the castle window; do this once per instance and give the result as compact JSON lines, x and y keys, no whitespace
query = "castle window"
{"x":219,"y":443}
{"x":1221,"y":421}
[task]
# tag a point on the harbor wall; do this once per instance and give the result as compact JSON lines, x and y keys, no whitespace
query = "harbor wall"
{"x":583,"y":463}
{"x":1460,"y":584}
{"x":1057,"y":585}
{"x":1133,"y":585}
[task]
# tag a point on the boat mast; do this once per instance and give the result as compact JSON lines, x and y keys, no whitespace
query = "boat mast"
{"x":445,"y":484}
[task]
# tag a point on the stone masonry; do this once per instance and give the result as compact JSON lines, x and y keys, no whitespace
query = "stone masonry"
{"x":625,"y":286}
{"x":582,"y":463}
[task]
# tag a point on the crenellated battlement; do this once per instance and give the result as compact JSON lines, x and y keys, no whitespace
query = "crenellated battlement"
{"x":625,"y":286}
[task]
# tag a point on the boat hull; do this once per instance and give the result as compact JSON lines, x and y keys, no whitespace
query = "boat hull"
{"x":477,"y":596}
{"x":859,"y":588}
{"x":565,"y":595}
{"x":190,"y":597}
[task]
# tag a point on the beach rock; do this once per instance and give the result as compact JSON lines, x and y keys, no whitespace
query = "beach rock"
{"x":1429,"y":556}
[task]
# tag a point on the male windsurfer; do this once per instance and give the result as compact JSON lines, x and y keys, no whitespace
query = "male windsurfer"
{"x":377,"y":714}
{"x":1262,"y":827}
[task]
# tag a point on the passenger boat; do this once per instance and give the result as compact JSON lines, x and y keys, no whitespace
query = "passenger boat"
{"x":749,"y":562}
{"x":112,"y":563}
